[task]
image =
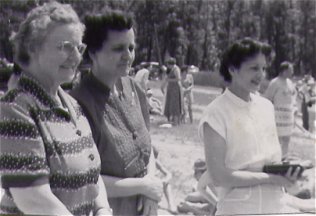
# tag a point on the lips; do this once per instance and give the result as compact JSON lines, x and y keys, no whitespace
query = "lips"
{"x":256,"y":82}
{"x":68,"y":67}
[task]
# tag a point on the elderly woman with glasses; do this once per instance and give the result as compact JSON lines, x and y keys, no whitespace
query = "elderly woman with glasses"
{"x":49,"y":162}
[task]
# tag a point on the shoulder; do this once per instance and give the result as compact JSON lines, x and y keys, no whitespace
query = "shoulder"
{"x":142,"y":71}
{"x":177,"y":68}
{"x":128,"y":79}
{"x":218,"y":105}
{"x":273,"y":82}
{"x":81,"y":93}
{"x":291,"y":83}
{"x":18,"y":98}
{"x":215,"y":115}
{"x":274,"y":85}
{"x":18,"y":106}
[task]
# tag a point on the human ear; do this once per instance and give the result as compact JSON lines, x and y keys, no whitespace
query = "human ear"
{"x":232,"y":70}
{"x":92,"y":56}
{"x":32,"y":51}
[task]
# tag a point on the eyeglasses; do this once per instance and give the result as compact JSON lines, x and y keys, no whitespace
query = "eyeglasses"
{"x":68,"y":47}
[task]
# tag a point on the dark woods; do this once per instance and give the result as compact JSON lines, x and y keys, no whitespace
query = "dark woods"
{"x":196,"y":32}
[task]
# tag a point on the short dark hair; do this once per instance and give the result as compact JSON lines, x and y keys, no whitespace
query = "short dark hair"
{"x":171,"y":61}
{"x":98,"y":26}
{"x":284,"y":66}
{"x":239,"y":52}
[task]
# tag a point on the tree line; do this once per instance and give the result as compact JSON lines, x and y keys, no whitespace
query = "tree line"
{"x":196,"y":32}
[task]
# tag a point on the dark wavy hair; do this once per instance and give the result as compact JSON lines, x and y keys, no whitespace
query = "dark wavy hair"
{"x":98,"y":26}
{"x":239,"y":52}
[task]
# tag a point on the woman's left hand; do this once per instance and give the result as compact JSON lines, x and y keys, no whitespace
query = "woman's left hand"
{"x":293,"y":176}
{"x":152,"y":187}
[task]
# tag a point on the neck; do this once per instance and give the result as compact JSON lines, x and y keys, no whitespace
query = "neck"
{"x":282,"y":77}
{"x":47,"y":84}
{"x":240,"y":92}
{"x":109,"y":81}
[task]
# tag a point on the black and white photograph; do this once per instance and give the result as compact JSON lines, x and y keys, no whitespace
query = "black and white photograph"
{"x":157,"y":107}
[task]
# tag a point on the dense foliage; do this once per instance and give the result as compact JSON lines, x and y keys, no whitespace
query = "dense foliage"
{"x":197,"y":31}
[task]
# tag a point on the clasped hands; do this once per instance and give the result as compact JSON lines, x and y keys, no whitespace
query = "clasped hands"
{"x":152,"y":189}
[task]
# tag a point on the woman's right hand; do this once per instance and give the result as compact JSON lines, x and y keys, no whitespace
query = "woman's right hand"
{"x":152,"y":187}
{"x":288,"y":180}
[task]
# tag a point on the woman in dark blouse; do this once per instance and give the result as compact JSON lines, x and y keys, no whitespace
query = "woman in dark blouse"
{"x":118,"y":115}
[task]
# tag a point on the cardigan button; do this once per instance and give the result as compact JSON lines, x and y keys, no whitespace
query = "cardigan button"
{"x":78,"y":132}
{"x":135,"y":135}
{"x":91,"y":156}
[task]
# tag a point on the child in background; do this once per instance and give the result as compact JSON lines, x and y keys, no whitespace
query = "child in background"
{"x":201,"y":201}
{"x":165,"y":177}
{"x":187,"y":84}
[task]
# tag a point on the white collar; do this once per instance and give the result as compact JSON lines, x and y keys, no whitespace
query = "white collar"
{"x":237,"y":100}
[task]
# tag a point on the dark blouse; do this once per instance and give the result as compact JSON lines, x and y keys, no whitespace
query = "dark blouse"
{"x":120,"y":128}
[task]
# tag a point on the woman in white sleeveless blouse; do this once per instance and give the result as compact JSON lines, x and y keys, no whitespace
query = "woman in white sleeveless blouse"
{"x":239,"y":133}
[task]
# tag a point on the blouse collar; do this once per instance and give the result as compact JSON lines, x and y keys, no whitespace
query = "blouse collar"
{"x":29,"y":84}
{"x":34,"y":87}
{"x":96,"y":87}
{"x":237,"y":100}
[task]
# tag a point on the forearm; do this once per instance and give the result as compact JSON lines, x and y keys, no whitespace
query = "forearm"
{"x":151,"y":167}
{"x":101,"y":206}
{"x":122,"y":187}
{"x":189,"y":88}
{"x":215,"y":154}
{"x":241,"y":179}
{"x":207,"y":189}
{"x":38,"y":200}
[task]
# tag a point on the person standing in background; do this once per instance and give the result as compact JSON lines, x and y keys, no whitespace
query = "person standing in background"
{"x":142,"y":77}
{"x":187,"y":84}
{"x":173,"y":108}
{"x":282,"y":93}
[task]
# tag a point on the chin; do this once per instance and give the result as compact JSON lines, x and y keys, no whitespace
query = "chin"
{"x":67,"y":75}
{"x":67,"y":79}
{"x":124,"y":73}
{"x":254,"y":89}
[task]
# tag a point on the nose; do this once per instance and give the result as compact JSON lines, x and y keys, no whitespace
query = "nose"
{"x":263,"y":73}
{"x":128,"y":55}
{"x":75,"y":55}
